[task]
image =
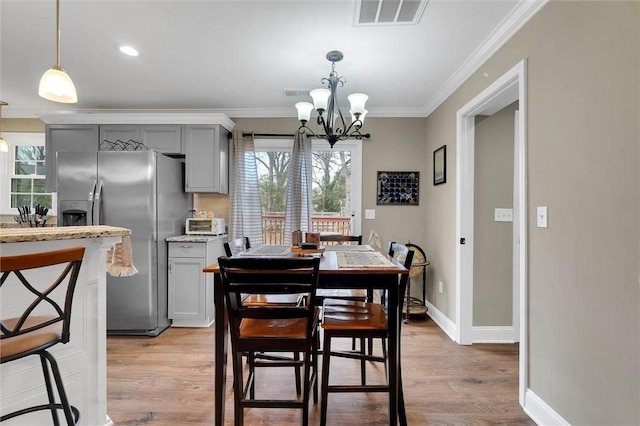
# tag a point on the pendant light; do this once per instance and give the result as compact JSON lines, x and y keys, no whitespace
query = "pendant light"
{"x":4,"y":146}
{"x":55,"y":84}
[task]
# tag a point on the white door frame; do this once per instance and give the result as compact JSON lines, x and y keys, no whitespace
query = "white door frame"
{"x":504,"y":91}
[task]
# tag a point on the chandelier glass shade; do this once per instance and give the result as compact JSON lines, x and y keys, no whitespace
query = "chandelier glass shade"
{"x":325,"y":102}
{"x":55,"y":84}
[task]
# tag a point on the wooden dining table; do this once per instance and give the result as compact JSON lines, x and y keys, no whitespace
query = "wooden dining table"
{"x":331,"y":276}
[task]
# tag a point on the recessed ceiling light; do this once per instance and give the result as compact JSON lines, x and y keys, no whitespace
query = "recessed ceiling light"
{"x":128,"y":50}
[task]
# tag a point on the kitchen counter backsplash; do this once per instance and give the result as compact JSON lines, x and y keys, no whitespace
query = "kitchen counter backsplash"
{"x":195,"y":238}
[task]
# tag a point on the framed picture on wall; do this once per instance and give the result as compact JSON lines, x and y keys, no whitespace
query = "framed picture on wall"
{"x":440,"y":165}
{"x":399,"y":188}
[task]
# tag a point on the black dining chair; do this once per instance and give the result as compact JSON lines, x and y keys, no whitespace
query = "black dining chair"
{"x":359,"y":320}
{"x":339,"y":239}
{"x":236,"y":246}
{"x":271,"y":328}
{"x":44,"y":319}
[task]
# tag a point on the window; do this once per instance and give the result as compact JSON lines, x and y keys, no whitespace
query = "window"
{"x":336,"y":188}
{"x":24,"y":173}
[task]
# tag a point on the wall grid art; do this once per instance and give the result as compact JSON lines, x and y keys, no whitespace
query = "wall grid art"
{"x":398,"y":188}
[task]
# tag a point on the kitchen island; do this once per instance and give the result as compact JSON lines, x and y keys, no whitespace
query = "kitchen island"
{"x":82,"y":361}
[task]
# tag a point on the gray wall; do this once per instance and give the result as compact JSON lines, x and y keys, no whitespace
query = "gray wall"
{"x":583,"y":162}
{"x":493,"y":241}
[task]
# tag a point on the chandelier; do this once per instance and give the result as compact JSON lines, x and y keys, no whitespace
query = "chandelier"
{"x":325,"y":102}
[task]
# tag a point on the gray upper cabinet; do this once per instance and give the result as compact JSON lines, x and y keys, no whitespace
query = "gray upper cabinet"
{"x":202,"y":139}
{"x":164,"y":138}
{"x":66,"y":137}
{"x":118,"y":132}
{"x":207,"y":159}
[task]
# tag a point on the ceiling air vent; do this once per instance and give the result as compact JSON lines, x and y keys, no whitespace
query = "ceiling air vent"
{"x":389,"y":12}
{"x":295,"y":93}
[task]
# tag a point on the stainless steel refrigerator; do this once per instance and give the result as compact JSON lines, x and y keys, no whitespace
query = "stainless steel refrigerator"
{"x":142,"y":191}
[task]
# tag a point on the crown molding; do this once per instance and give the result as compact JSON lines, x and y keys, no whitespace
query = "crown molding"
{"x":509,"y":26}
{"x":196,"y":116}
{"x":140,"y":117}
{"x":291,"y":112}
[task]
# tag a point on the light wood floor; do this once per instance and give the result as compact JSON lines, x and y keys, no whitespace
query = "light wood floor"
{"x":168,"y":380}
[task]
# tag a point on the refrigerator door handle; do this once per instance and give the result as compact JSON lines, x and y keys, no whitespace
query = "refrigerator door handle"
{"x":91,"y":202}
{"x":96,"y":204}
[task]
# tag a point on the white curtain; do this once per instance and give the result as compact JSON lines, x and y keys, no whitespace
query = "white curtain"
{"x":245,"y":211}
{"x":298,"y":210}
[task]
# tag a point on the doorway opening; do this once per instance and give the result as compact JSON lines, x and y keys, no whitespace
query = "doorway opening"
{"x":507,"y":89}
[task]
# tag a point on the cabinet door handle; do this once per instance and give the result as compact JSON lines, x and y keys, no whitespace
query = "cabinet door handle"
{"x":186,"y":247}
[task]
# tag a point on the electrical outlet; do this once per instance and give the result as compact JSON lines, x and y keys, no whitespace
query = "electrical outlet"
{"x":440,"y":287}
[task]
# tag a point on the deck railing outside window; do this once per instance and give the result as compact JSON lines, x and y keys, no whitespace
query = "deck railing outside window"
{"x":273,"y":226}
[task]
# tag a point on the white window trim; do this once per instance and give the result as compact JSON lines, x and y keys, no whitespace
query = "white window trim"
{"x":7,"y":160}
{"x":354,"y":146}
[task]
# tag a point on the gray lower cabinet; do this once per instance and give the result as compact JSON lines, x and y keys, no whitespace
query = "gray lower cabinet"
{"x":164,"y":138}
{"x":190,"y":289}
{"x":207,"y":159}
{"x":66,"y":137}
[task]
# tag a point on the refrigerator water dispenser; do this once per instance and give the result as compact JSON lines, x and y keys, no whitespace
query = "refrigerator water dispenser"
{"x":74,"y":213}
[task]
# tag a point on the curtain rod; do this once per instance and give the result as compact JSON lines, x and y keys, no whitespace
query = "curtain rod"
{"x":285,"y":135}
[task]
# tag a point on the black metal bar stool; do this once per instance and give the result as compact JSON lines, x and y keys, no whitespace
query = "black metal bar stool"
{"x":43,"y":323}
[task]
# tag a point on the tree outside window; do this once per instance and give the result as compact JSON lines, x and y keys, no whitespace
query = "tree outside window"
{"x":272,"y":178}
{"x":28,"y":177}
{"x":331,"y":173}
{"x":336,"y":186}
{"x":331,"y":179}
{"x":333,"y":206}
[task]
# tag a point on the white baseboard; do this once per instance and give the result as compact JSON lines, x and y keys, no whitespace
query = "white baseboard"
{"x":540,"y":412}
{"x":442,"y":321}
{"x":493,"y":334}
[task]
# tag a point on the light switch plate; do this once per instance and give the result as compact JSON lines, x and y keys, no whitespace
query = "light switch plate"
{"x":503,"y":215}
{"x":542,"y":217}
{"x":369,"y":213}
